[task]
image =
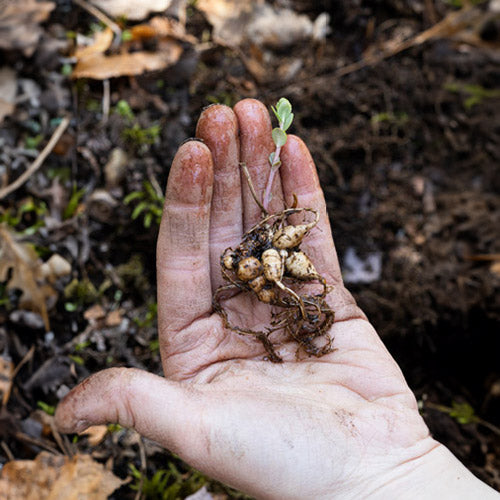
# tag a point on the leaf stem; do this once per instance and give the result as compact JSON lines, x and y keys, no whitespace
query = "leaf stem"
{"x":266,"y":199}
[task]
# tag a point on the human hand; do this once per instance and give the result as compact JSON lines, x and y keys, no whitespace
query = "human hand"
{"x":345,"y":425}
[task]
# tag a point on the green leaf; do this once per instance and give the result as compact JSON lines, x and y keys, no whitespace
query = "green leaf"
{"x":279,"y":137}
{"x":133,"y":196}
{"x":283,"y":107}
{"x":49,"y":409}
{"x":138,"y":209}
{"x":147,"y":220}
{"x":288,"y":121}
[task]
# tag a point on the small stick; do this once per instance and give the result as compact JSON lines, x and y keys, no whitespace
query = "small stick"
{"x":101,"y":17}
{"x":105,"y":100}
{"x":38,"y":161}
{"x":252,"y":189}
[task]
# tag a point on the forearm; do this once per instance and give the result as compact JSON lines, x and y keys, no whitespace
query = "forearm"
{"x":437,"y":475}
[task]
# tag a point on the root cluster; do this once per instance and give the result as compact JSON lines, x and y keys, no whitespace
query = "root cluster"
{"x":268,"y":263}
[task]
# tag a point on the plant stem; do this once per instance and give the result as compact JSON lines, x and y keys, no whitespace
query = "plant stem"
{"x":266,"y":198}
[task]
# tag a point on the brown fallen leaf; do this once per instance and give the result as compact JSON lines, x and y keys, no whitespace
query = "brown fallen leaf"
{"x":95,"y":434}
{"x":8,"y":91}
{"x":55,"y":477}
{"x":161,"y":27}
{"x":23,"y":270}
{"x":22,"y":261}
{"x":132,"y":9}
{"x":114,"y":318}
{"x":19,"y":23}
{"x":102,"y":41}
{"x":6,"y":375}
{"x":495,"y":268}
{"x":100,"y":67}
{"x":94,"y":313}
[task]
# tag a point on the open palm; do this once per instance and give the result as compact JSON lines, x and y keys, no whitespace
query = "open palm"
{"x":342,"y":425}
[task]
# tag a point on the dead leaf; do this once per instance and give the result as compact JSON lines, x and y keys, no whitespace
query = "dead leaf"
{"x":22,"y":261}
{"x":238,"y":21}
{"x":102,"y":41}
{"x":19,"y":23}
{"x":8,"y":91}
{"x":54,"y":477}
{"x":23,"y":270}
{"x":132,"y":9}
{"x":95,"y":433}
{"x":495,"y":268}
{"x":114,"y":318}
{"x":161,"y":27}
{"x":6,"y":374}
{"x":94,"y":313}
{"x":100,"y":67}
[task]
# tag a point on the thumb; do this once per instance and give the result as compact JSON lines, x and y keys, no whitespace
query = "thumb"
{"x":152,"y":405}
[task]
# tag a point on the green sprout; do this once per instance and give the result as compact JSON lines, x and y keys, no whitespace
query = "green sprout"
{"x":142,"y":137}
{"x":30,"y":214}
{"x":149,"y":317}
{"x":48,"y":409}
{"x":74,"y":201}
{"x":150,"y":203}
{"x":283,"y":112}
{"x":123,"y":109}
{"x":476,"y":93}
{"x":167,"y":484}
{"x":463,"y":413}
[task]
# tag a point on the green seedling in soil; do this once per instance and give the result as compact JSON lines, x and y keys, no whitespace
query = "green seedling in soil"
{"x":123,"y":109}
{"x":269,"y":261}
{"x":149,"y":203}
{"x":32,"y":142}
{"x":74,"y":201}
{"x":48,"y":409}
{"x":463,"y":413}
{"x":78,"y":360}
{"x":79,"y":293}
{"x":141,"y":138}
{"x":394,"y":120}
{"x":477,"y":93}
{"x":82,"y":346}
{"x":167,"y":484}
{"x":149,"y":317}
{"x":30,"y":214}
{"x":223,"y":97}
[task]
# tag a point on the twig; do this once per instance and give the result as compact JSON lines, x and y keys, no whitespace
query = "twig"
{"x":252,"y":189}
{"x":144,"y":467}
{"x":451,"y":25}
{"x":7,"y":451}
{"x":105,"y":100}
{"x":27,"y":357}
{"x":38,"y":161}
{"x":101,"y":17}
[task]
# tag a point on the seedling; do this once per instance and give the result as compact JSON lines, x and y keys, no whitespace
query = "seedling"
{"x":269,"y":261}
{"x":150,"y":203}
{"x":283,"y":112}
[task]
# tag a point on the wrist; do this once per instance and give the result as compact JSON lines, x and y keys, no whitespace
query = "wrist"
{"x":437,"y":474}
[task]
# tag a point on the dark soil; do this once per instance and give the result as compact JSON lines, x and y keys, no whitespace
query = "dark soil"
{"x":409,"y":166}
